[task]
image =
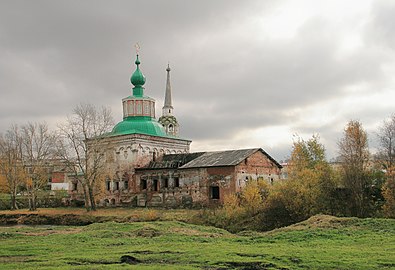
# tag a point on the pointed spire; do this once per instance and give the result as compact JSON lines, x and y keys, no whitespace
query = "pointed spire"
{"x":168,"y":108}
{"x":168,"y":120}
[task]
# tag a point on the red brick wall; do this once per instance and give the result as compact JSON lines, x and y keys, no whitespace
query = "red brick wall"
{"x":258,"y":163}
{"x":58,"y":177}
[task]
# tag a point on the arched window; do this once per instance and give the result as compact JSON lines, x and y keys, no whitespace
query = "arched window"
{"x":171,"y":128}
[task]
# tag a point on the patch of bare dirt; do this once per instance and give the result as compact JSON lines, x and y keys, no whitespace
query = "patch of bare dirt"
{"x":193,"y":232}
{"x":8,"y":259}
{"x":43,"y":219}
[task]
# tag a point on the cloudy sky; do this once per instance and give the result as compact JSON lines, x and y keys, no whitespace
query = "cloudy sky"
{"x":244,"y":73}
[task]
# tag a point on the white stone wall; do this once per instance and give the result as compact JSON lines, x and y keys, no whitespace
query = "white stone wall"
{"x":60,"y":186}
{"x":126,"y":152}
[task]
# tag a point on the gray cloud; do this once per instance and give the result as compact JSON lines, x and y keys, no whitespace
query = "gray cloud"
{"x":226,"y":76}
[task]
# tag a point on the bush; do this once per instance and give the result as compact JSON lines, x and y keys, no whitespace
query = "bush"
{"x":44,"y":200}
{"x":389,"y":196}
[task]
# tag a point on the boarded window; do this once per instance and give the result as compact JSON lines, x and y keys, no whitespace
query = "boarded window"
{"x":214,"y":192}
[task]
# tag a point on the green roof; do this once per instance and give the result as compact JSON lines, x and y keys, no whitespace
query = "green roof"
{"x":139,"y":97}
{"x":138,"y":80}
{"x":139,"y":125}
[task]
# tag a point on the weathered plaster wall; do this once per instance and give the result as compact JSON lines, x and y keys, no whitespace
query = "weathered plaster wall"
{"x":125,"y":153}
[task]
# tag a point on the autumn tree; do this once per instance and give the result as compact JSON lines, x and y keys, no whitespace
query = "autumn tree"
{"x":306,"y":155}
{"x":11,"y":163}
{"x":311,"y":182}
{"x":3,"y":183}
{"x":252,"y":197}
{"x":388,"y":190}
{"x":83,"y":147}
{"x":386,"y":157}
{"x":386,"y":137}
{"x":38,"y":148}
{"x":354,"y":158}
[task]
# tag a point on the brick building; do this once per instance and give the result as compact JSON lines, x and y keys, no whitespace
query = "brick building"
{"x":149,"y":164}
{"x":203,"y":178}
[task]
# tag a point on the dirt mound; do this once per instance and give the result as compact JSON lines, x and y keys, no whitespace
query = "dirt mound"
{"x":320,"y":221}
{"x":40,"y":219}
{"x":326,"y":221}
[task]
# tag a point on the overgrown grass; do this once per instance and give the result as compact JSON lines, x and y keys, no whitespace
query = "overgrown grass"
{"x":322,"y":242}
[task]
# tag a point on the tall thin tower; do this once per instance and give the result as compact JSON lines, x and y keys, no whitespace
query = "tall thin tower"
{"x":168,"y":120}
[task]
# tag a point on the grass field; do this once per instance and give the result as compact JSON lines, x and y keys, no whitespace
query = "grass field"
{"x":322,"y":242}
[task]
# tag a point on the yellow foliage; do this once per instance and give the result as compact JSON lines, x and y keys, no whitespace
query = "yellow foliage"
{"x":252,"y":199}
{"x":3,"y":184}
{"x":232,"y":206}
{"x":149,"y":215}
{"x":264,"y":188}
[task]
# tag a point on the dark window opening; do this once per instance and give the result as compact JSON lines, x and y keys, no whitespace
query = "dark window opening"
{"x":126,"y":184}
{"x":165,"y":182}
{"x":116,"y":186}
{"x":155,"y":185}
{"x":176,"y":182}
{"x":74,"y":187}
{"x":214,"y":191}
{"x":143,"y":184}
{"x":154,"y":156}
{"x":108,"y":184}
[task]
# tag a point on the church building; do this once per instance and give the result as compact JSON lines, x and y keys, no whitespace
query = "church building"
{"x":148,"y":164}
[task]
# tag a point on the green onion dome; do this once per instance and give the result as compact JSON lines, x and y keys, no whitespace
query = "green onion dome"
{"x":137,"y":79}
